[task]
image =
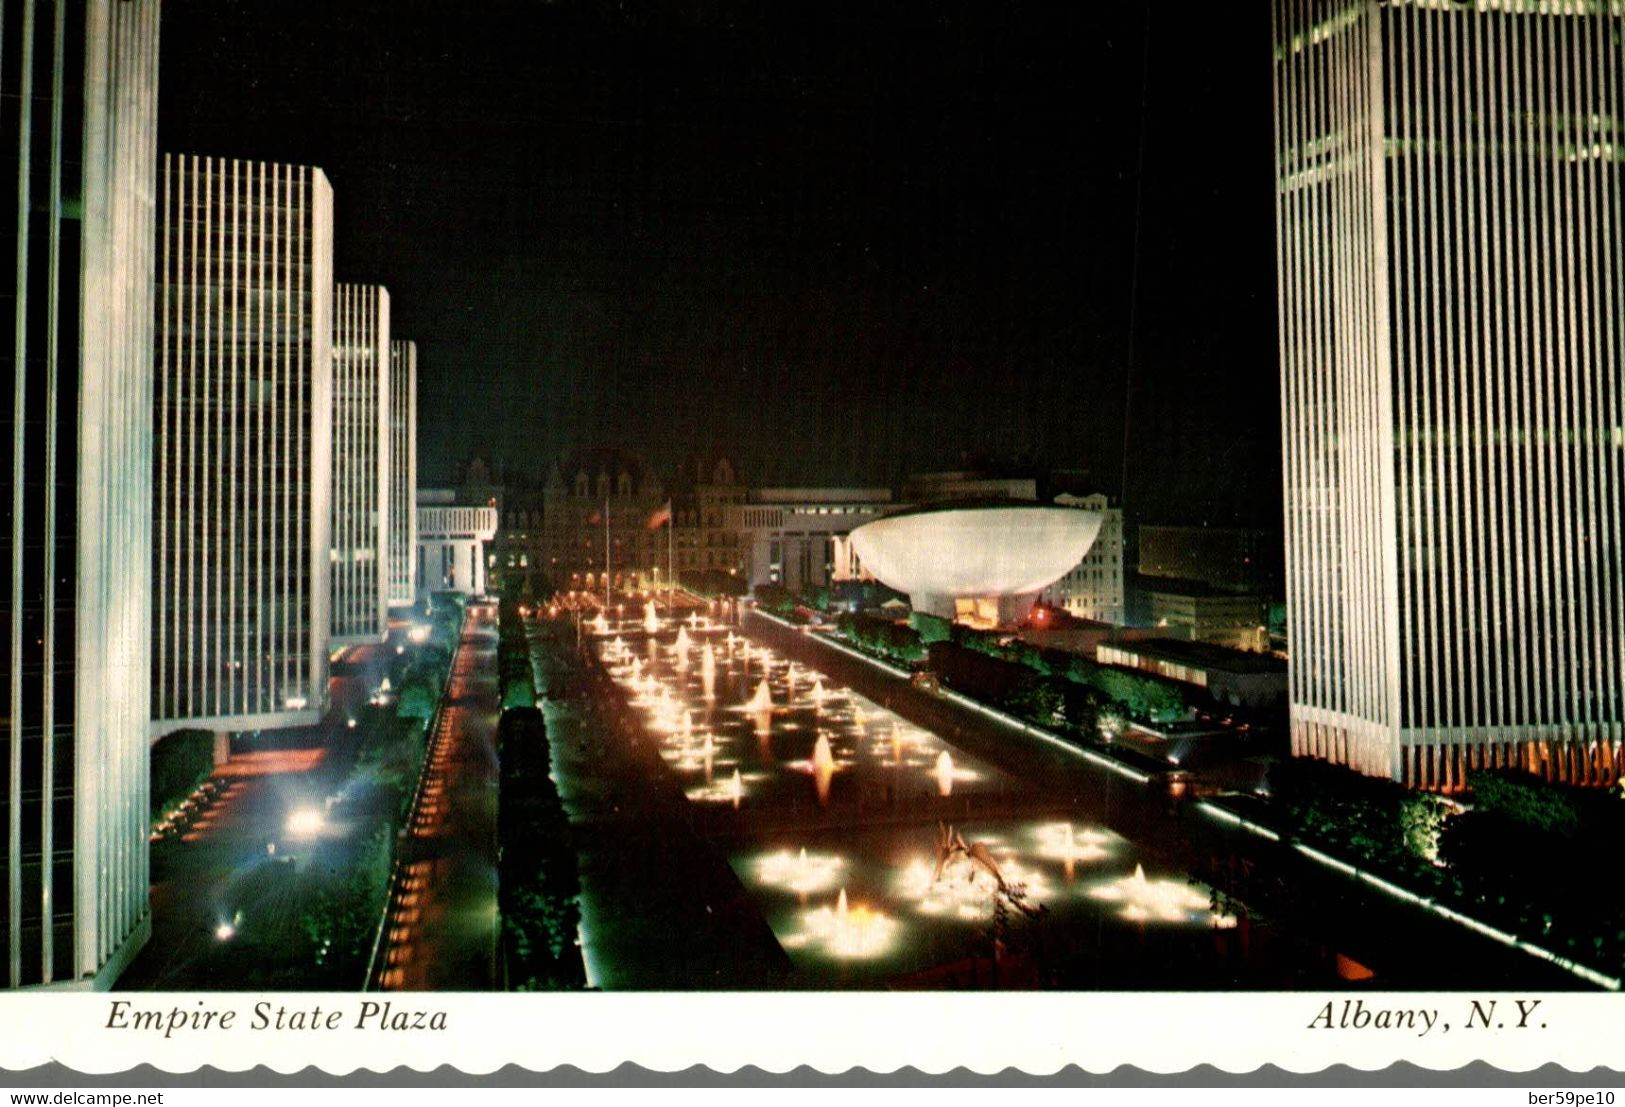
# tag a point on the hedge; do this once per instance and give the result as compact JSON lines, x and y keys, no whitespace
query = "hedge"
{"x":516,"y":679}
{"x":180,"y":761}
{"x":539,"y":882}
{"x":885,"y":637}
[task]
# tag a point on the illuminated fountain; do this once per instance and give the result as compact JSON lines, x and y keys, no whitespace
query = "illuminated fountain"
{"x":683,"y":642}
{"x":708,"y":671}
{"x":896,"y":744}
{"x":1059,"y":842}
{"x":736,"y":789}
{"x":818,"y":692}
{"x":651,"y":621}
{"x":847,"y":932}
{"x":1146,"y":900}
{"x":944,"y":773}
{"x":762,"y":700}
{"x":600,"y":623}
{"x":790,"y":682}
{"x":801,"y":873}
{"x":858,"y":718}
{"x":823,"y":767}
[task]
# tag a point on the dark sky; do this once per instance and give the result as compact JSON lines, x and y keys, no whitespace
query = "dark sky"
{"x":842,"y":241}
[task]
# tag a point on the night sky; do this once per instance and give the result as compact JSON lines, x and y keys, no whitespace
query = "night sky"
{"x":842,"y":241}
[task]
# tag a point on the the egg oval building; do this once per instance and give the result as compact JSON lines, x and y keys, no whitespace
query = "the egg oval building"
{"x":982,"y":564}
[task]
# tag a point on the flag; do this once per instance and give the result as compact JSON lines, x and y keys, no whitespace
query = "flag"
{"x":661,"y":517}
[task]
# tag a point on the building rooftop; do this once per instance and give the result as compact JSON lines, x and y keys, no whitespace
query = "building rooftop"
{"x":1202,"y":655}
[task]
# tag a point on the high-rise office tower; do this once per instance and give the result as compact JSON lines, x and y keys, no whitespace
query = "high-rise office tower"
{"x":360,"y":464}
{"x":403,"y":472}
{"x":78,"y":116}
{"x":1451,"y":251}
{"x":243,"y":433}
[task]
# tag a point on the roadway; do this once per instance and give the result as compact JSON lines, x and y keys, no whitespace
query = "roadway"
{"x":233,"y":873}
{"x":441,"y":933}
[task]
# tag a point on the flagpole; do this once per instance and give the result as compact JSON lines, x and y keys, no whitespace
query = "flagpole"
{"x":606,"y":557}
{"x":671,"y":576}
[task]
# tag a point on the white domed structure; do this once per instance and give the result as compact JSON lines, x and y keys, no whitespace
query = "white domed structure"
{"x":982,"y":564}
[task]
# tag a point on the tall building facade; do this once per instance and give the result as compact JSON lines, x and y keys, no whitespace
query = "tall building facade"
{"x":1094,"y":588}
{"x":78,"y":116}
{"x":242,"y":425}
{"x":361,"y":391}
{"x":403,"y":471}
{"x":1452,"y":290}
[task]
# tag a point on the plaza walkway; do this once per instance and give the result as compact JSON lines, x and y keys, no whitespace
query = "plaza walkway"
{"x":442,"y":930}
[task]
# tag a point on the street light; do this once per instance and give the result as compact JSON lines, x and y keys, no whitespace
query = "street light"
{"x":305,"y":822}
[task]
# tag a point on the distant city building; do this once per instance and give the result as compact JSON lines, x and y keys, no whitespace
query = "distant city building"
{"x":966,"y":484}
{"x":519,"y":557}
{"x":403,"y":472}
{"x":705,"y":493}
{"x":796,"y":538}
{"x":597,"y":507}
{"x":360,"y":464}
{"x":1094,"y":588}
{"x":1449,"y":183}
{"x":452,"y":542}
{"x":1235,"y":559}
{"x":1234,"y":677}
{"x":1196,"y":613}
{"x":243,"y":445}
{"x":78,"y":112}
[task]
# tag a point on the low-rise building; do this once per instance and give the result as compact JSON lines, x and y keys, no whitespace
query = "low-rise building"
{"x":452,"y":543}
{"x":796,"y":538}
{"x":1195,"y":612}
{"x":1236,"y":677}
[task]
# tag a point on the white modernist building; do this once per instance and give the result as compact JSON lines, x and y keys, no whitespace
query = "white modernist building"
{"x":1450,"y":198}
{"x":403,"y":472}
{"x":78,"y":116}
{"x":452,"y":540}
{"x":981,"y":564}
{"x":242,"y":425}
{"x":796,"y":537}
{"x":361,"y":434}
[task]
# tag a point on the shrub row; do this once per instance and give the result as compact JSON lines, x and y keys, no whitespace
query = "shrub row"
{"x":883,"y":636}
{"x":180,"y":762}
{"x":517,"y":680}
{"x":537,"y":870}
{"x":1508,"y":858}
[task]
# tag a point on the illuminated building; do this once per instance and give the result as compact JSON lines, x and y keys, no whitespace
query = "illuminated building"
{"x":403,"y":472}
{"x":1452,"y":290}
{"x":594,"y":496}
{"x":795,"y":537}
{"x":1093,"y":588}
{"x":78,"y":116}
{"x":453,"y":539}
{"x":361,"y":433}
{"x":705,"y":495}
{"x":242,"y":441}
{"x":982,"y":564}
